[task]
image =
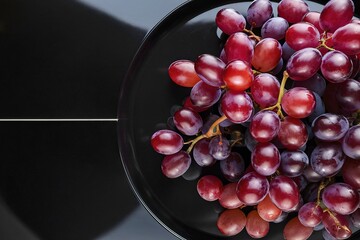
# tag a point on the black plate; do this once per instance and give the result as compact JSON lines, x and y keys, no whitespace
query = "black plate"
{"x":145,"y":102}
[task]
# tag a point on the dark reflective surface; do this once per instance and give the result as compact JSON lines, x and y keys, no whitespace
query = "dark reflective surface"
{"x":146,"y":99}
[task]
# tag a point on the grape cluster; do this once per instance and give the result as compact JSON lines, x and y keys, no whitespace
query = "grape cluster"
{"x":278,"y":112}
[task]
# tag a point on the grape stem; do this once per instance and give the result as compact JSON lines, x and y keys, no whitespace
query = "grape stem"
{"x":323,"y":42}
{"x":252,"y":34}
{"x":214,"y":130}
{"x":281,"y":94}
{"x":336,"y":220}
{"x":323,"y":185}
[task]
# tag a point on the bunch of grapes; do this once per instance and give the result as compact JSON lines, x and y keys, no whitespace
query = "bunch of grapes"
{"x":278,"y":113}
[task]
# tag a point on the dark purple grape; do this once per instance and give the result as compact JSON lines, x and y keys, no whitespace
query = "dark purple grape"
{"x":287,"y":51}
{"x":330,"y":127}
{"x":259,"y":12}
{"x":351,"y":173}
{"x":250,"y":141}
{"x":233,"y":167}
{"x":351,"y":142}
{"x":348,"y":95}
{"x":201,"y":153}
{"x":316,"y":84}
{"x":327,"y":159}
{"x":293,"y":163}
{"x":219,"y":147}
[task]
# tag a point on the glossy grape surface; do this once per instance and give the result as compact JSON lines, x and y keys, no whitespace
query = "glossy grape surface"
{"x":231,"y":222}
{"x":310,"y":214}
{"x":336,"y":225}
{"x":298,"y":102}
{"x":188,"y":121}
{"x":295,"y":230}
{"x":239,"y":47}
{"x":284,"y":193}
{"x":292,"y":133}
{"x":252,"y":188}
{"x":209,"y":187}
{"x":267,"y":54}
{"x":175,"y":165}
{"x":293,"y":163}
{"x":265,"y":90}
{"x":230,"y":21}
{"x":351,"y":173}
{"x":210,"y":69}
{"x":347,"y":39}
{"x":265,"y":159}
{"x":228,"y":197}
{"x":233,"y":167}
{"x":237,"y":106}
{"x":292,"y":10}
{"x":238,"y":75}
{"x":219,"y":147}
{"x":166,"y":142}
{"x":264,"y":126}
{"x":274,"y":28}
{"x":302,"y":35}
{"x":204,"y":95}
{"x":336,"y":67}
{"x":182,"y":72}
{"x":259,"y":12}
{"x":342,"y":9}
{"x":201,"y":153}
{"x":351,"y":142}
{"x":330,"y":127}
{"x":267,"y":210}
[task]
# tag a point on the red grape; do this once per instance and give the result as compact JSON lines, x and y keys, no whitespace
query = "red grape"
{"x":265,"y":159}
{"x":294,"y":230}
{"x":182,"y":72}
{"x":298,"y":102}
{"x":267,"y":54}
{"x":204,"y":95}
{"x":259,"y":12}
{"x":351,"y":142}
{"x":347,"y":39}
{"x":337,"y":225}
{"x":310,"y":214}
{"x":302,"y":35}
{"x":167,"y":142}
{"x":292,"y":133}
{"x":340,"y":198}
{"x":230,"y":21}
{"x":342,"y":9}
{"x":351,"y":173}
{"x":293,"y":163}
{"x":268,"y":210}
{"x":292,"y":10}
{"x":252,"y":188}
{"x":313,"y":18}
{"x":237,"y":106}
{"x":231,"y":222}
{"x":336,"y":67}
{"x":330,"y":127}
{"x":256,"y":227}
{"x":210,"y":69}
{"x":239,"y":47}
{"x":284,"y":193}
{"x":265,"y":90}
{"x":228,"y":197}
{"x":264,"y":126}
{"x":238,"y":75}
{"x":175,"y":165}
{"x":209,"y":187}
{"x":188,"y":121}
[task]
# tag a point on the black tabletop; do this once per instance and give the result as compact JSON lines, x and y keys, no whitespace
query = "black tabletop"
{"x":61,"y":67}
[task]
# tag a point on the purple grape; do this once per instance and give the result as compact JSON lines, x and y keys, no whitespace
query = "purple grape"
{"x":274,"y":28}
{"x":201,"y":153}
{"x":311,"y":175}
{"x":348,"y":95}
{"x":351,"y":142}
{"x":342,"y":9}
{"x":233,"y":167}
{"x":259,"y":12}
{"x":173,"y":166}
{"x":292,"y":10}
{"x":293,"y":163}
{"x":316,"y":84}
{"x":330,"y":127}
{"x":204,"y":95}
{"x":219,"y":147}
{"x":304,"y":64}
{"x":336,"y":67}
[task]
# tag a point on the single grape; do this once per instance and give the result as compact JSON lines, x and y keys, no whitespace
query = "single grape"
{"x":298,"y":102}
{"x":231,"y":222}
{"x":228,"y":197}
{"x":267,"y":54}
{"x":351,"y":173}
{"x":310,"y":214}
{"x":302,"y":35}
{"x":304,"y":64}
{"x":347,"y":39}
{"x":256,"y":227}
{"x":219,"y":147}
{"x":238,"y":75}
{"x":210,"y":69}
{"x":204,"y":95}
{"x":274,"y":28}
{"x":330,"y":127}
{"x":348,"y":95}
{"x":188,"y":121}
{"x":313,"y":18}
{"x":267,"y":210}
{"x":233,"y":167}
{"x":264,"y":126}
{"x":166,"y":142}
{"x":316,"y":84}
{"x":351,"y":142}
{"x":175,"y":165}
{"x":252,"y":188}
{"x":182,"y":72}
{"x":201,"y":153}
{"x":259,"y":12}
{"x":292,"y":10}
{"x":284,"y":193}
{"x":294,"y":230}
{"x":336,"y":225}
{"x":336,"y":67}
{"x":237,"y":106}
{"x":265,"y":90}
{"x":340,"y":198}
{"x":265,"y":159}
{"x":239,"y":47}
{"x":342,"y":9}
{"x":293,"y":163}
{"x":292,"y":133}
{"x":327,"y":159}
{"x":209,"y":187}
{"x":230,"y":21}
